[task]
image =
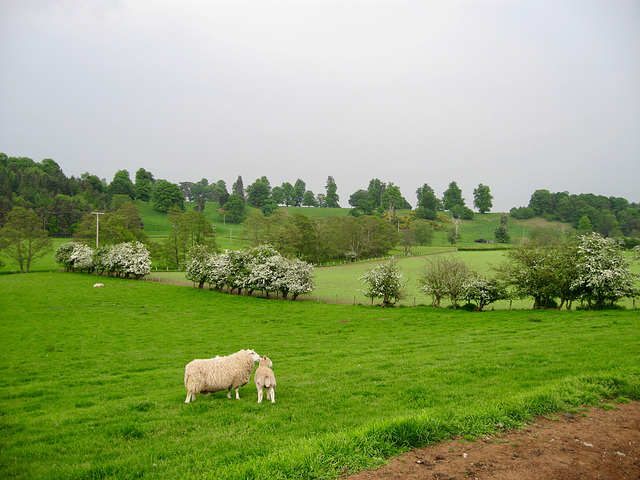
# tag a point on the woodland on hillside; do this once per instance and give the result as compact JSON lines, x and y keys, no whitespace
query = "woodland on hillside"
{"x":64,"y":204}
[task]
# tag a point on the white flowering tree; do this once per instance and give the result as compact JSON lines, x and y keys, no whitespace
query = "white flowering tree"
{"x":482,"y":291}
{"x":260,"y":268}
{"x":238,"y":271}
{"x":82,"y":257}
{"x":385,"y":282}
{"x":127,"y":259}
{"x":266,"y":275}
{"x":139,"y":263}
{"x":603,"y":276}
{"x":217,"y":270}
{"x":196,"y":268}
{"x":62,"y":255}
{"x":75,"y":257}
{"x":298,"y":279}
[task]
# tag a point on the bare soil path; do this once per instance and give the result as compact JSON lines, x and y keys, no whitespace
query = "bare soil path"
{"x":596,"y":443}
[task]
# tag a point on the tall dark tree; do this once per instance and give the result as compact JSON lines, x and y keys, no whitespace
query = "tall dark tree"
{"x":428,"y":203}
{"x":427,"y":198}
{"x":122,"y":185}
{"x":331,"y":199}
{"x":452,"y":196}
{"x":298,"y":192}
{"x":166,"y":195}
{"x":541,"y":202}
{"x":482,"y":198}
{"x":259,"y":193}
{"x":392,"y":199}
{"x":143,"y":185}
{"x":361,"y":203}
{"x":287,"y":194}
{"x":501,"y":232}
{"x":238,"y":188}
{"x":309,"y":199}
{"x":235,"y":211}
{"x":219,"y":192}
{"x":375,"y":190}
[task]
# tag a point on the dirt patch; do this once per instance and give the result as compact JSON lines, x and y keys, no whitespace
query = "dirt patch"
{"x":595,"y":443}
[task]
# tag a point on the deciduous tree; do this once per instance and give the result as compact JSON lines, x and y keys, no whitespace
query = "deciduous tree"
{"x":603,"y":276}
{"x":23,"y":238}
{"x":122,"y":184}
{"x":452,"y":196}
{"x":501,"y":232}
{"x":167,"y":195}
{"x":332,"y":198}
{"x":385,"y":282}
{"x":482,"y":198}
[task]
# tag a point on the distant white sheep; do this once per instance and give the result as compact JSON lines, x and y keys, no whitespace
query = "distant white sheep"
{"x":220,"y":373}
{"x":265,"y":378}
{"x":98,"y":285}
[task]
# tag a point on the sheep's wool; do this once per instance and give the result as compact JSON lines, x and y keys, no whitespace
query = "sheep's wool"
{"x":219,"y":373}
{"x":265,"y":378}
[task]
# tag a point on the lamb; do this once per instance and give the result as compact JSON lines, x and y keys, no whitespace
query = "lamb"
{"x":264,"y":377}
{"x":220,"y":373}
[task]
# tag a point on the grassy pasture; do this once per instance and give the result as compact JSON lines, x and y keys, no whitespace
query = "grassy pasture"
{"x":91,"y":383}
{"x":340,"y":284}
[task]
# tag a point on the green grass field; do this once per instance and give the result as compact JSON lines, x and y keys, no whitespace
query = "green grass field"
{"x":92,"y":378}
{"x":340,"y":284}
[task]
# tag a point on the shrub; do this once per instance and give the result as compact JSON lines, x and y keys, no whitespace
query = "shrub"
{"x":603,"y":275}
{"x":384,"y":281}
{"x":483,"y":291}
{"x":444,"y":277}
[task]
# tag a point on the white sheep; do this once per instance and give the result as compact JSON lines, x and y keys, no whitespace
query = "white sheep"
{"x":265,"y":378}
{"x":98,"y":285}
{"x":220,"y":373}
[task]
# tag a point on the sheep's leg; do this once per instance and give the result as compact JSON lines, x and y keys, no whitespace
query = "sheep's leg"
{"x":260,"y":395}
{"x":237,"y":394}
{"x":190,"y":396}
{"x":272,"y":394}
{"x":229,"y":392}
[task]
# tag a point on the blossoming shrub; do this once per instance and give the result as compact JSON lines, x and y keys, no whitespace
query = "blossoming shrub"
{"x":62,"y":255}
{"x":127,"y":259}
{"x":603,"y":274}
{"x":384,"y":281}
{"x":196,"y":270}
{"x":482,"y":291}
{"x":261,"y":268}
{"x":75,"y":257}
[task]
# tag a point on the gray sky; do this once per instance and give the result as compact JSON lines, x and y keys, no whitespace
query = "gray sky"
{"x":517,"y":95}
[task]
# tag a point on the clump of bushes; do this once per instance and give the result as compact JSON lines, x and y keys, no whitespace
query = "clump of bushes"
{"x":259,"y":269}
{"x":130,"y":259}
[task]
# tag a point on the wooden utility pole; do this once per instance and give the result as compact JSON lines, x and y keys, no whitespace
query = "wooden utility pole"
{"x":97,"y":214}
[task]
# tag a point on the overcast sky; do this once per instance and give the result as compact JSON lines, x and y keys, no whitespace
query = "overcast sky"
{"x":517,"y":95}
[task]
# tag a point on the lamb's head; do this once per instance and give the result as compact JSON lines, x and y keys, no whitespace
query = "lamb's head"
{"x":266,"y":362}
{"x":254,"y":356}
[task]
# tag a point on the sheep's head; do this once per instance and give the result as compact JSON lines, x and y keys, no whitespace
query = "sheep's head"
{"x":254,"y":356}
{"x":266,"y":362}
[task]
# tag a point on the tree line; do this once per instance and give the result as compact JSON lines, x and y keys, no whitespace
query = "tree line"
{"x":65,"y":207}
{"x":613,"y":217}
{"x":589,"y":268}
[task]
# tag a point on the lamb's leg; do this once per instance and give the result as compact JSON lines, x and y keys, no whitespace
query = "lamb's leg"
{"x":272,"y":394}
{"x":259,"y":395}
